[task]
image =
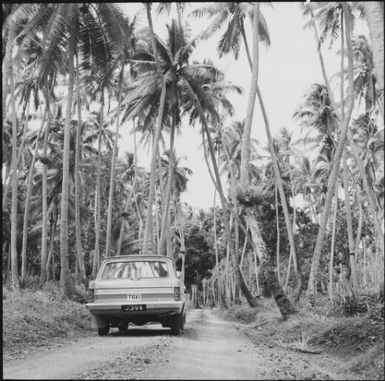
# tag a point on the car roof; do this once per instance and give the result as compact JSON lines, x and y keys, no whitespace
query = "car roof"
{"x":136,"y":257}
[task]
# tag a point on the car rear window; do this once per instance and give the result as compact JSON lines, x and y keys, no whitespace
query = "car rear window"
{"x":135,"y":269}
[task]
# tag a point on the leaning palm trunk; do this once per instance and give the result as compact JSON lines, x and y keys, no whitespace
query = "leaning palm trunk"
{"x":285,"y":208}
{"x":267,"y":276}
{"x":27,"y":204}
{"x":289,"y":227}
{"x":14,"y":271}
{"x":234,"y":258}
{"x":147,"y":239}
{"x":337,"y":158}
{"x":113,"y":160}
{"x":65,"y":283}
{"x":79,"y":250}
{"x":270,"y":281}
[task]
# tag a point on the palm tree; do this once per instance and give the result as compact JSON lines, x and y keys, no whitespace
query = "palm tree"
{"x":243,"y":192}
{"x":344,"y":123}
{"x":77,"y":20}
{"x":127,"y":51}
{"x":234,"y":14}
{"x":9,"y":73}
{"x":364,"y":76}
{"x":374,"y":15}
{"x":148,"y":238}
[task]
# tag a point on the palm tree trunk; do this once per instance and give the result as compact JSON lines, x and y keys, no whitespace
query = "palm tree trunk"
{"x":374,"y":15}
{"x":245,"y":290}
{"x":246,"y":45}
{"x":147,"y":239}
{"x":349,"y":223}
{"x":14,"y":271}
{"x":166,"y":204}
{"x":147,"y":230}
{"x":205,"y":155}
{"x":237,"y":299}
{"x":7,"y":66}
{"x":27,"y":204}
{"x":245,"y":152}
{"x":50,"y":257}
{"x":267,"y":276}
{"x":44,"y":235}
{"x":96,"y":263}
{"x":345,"y":175}
{"x":285,"y":208}
{"x":360,"y":220}
{"x":215,"y":230}
{"x":79,"y":250}
{"x":278,"y":235}
{"x":331,"y":264}
{"x":370,"y":196}
{"x":65,"y":283}
{"x":270,"y":281}
{"x":8,"y":178}
{"x":337,"y":158}
{"x":182,"y":238}
{"x":293,"y":197}
{"x":112,"y":176}
{"x":119,"y":247}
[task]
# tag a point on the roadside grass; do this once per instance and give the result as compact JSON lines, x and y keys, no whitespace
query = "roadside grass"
{"x":357,"y":341}
{"x":33,"y":318}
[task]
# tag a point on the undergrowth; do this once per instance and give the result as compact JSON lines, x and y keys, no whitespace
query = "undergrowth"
{"x":35,"y":317}
{"x":357,"y":340}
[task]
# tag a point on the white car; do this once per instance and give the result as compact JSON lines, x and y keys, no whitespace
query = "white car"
{"x":137,"y":289}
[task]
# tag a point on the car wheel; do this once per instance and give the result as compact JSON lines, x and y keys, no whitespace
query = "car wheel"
{"x":103,"y":331}
{"x":177,"y":323}
{"x":123,"y":327}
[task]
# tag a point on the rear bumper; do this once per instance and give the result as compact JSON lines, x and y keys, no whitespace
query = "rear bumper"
{"x":102,"y":313}
{"x":152,"y":308}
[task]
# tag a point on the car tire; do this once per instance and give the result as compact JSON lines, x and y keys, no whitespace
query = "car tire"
{"x":123,"y":327}
{"x":103,"y":331}
{"x":177,"y":323}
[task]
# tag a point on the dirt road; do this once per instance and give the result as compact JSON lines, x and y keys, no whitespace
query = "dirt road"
{"x":210,"y":348}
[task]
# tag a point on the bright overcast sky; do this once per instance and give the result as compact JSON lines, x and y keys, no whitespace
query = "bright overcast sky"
{"x":287,"y":69}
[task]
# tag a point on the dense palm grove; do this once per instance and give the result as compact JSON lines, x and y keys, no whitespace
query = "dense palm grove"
{"x":282,"y":223}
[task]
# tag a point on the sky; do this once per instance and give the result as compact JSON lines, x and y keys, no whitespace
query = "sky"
{"x":286,"y":71}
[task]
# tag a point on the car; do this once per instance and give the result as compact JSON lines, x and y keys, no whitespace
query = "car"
{"x":137,"y":289}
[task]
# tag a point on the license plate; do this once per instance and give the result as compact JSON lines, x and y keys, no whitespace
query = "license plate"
{"x":134,"y":307}
{"x":131,"y":297}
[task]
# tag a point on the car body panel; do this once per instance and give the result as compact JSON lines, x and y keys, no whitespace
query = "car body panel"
{"x":156,"y":294}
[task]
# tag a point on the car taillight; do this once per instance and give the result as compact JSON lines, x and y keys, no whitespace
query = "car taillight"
{"x":176,"y":293}
{"x":91,"y":291}
{"x":91,"y":294}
